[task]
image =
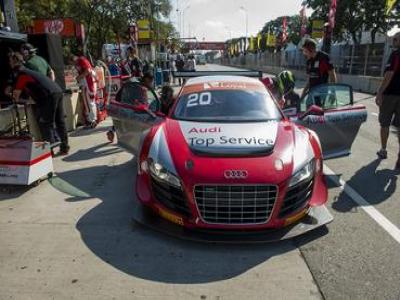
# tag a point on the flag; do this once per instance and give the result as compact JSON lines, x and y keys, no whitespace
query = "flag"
{"x":259,"y":38}
{"x":389,"y":6}
{"x":317,"y":29}
{"x":284,"y":33}
{"x":251,"y":46}
{"x":332,"y":15}
{"x":303,"y":18}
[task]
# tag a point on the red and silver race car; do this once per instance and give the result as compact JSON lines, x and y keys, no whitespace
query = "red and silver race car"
{"x":227,"y":163}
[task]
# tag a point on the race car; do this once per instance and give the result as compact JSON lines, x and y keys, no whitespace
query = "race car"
{"x":226,"y":161}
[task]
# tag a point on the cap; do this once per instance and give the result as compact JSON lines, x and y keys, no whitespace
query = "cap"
{"x":28,"y":47}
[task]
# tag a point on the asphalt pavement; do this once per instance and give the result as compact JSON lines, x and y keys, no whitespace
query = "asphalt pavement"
{"x":73,"y":237}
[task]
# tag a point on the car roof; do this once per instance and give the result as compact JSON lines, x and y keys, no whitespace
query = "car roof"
{"x":222,"y":78}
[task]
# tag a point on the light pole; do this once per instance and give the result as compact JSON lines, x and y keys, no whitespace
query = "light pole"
{"x":183,"y":19}
{"x":178,"y":18}
{"x":247,"y":24}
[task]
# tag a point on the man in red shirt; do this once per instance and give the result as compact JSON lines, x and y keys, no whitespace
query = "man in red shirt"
{"x":388,"y":98}
{"x":319,"y":68}
{"x":87,"y":80}
{"x":48,"y":97}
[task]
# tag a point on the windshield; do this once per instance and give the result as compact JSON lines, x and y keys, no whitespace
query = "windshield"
{"x":227,"y":106}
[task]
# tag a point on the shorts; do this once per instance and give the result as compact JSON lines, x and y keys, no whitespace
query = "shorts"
{"x":390,"y":108}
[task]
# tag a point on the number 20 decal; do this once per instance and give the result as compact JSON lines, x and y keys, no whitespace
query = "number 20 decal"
{"x":199,"y":99}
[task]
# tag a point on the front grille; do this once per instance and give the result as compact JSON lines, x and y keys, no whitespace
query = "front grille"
{"x":296,"y":198}
{"x":171,"y":197}
{"x":235,"y":204}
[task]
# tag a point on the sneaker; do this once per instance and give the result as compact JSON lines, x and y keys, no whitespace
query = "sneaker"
{"x":91,"y":125}
{"x":63,"y":151}
{"x":382,"y":154}
{"x":111,"y":136}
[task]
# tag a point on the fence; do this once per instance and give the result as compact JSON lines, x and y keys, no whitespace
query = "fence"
{"x":364,"y":60}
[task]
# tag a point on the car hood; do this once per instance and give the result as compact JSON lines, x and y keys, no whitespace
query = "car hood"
{"x":285,"y":150}
{"x":229,"y":139}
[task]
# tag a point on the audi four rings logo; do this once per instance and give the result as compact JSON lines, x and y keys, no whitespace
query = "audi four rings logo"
{"x":236,"y":174}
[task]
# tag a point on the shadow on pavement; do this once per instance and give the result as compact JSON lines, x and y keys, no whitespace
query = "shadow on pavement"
{"x":381,"y":186}
{"x":108,"y":231}
{"x":92,"y":153}
{"x":85,"y":132}
{"x":9,"y":192}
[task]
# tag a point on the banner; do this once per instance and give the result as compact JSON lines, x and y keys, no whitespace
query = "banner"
{"x":259,"y":38}
{"x":318,"y":29}
{"x":64,"y":27}
{"x":332,"y":15}
{"x":284,"y":32}
{"x":303,"y":18}
{"x":144,"y":29}
{"x":270,"y":40}
{"x":389,"y":6}
{"x":251,"y":46}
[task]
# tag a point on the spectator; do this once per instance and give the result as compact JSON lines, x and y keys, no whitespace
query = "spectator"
{"x":112,"y":66}
{"x":35,"y":62}
{"x":388,"y":98}
{"x":48,"y":97}
{"x":286,"y":85}
{"x":319,"y":67}
{"x":172,"y":66}
{"x":148,"y":80}
{"x":135,"y":64}
{"x":87,"y":80}
{"x":125,"y":68}
{"x":167,"y":99}
{"x":191,"y":64}
{"x":180,"y":66}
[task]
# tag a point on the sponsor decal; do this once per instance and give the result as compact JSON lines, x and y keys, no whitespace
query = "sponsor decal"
{"x":205,"y":130}
{"x":235,"y":136}
{"x":230,"y":141}
{"x":225,"y":85}
{"x":222,"y":85}
{"x":338,"y":117}
{"x":9,"y":172}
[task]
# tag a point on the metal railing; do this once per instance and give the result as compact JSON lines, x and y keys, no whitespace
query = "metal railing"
{"x":361,"y":60}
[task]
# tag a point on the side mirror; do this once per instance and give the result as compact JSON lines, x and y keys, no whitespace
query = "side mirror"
{"x":314,"y":110}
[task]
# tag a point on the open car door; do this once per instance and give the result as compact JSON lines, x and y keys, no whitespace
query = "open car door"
{"x":133,"y":112}
{"x":339,"y":120}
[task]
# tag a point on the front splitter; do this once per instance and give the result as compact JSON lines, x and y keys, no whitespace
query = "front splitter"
{"x":316,"y":217}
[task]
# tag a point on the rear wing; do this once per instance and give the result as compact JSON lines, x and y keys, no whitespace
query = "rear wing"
{"x":192,"y":74}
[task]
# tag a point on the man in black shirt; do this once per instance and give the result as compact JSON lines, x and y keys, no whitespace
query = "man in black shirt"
{"x":48,"y":97}
{"x":319,"y":68}
{"x":388,"y":98}
{"x":180,"y":66}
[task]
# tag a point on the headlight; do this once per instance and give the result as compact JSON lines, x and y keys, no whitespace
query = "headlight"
{"x":162,"y":174}
{"x":303,"y":174}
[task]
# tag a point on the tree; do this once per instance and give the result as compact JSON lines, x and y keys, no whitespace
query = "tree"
{"x":104,"y":20}
{"x":355,"y":16}
{"x":275,"y":27}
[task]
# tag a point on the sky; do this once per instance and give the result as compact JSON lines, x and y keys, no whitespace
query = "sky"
{"x":218,"y":20}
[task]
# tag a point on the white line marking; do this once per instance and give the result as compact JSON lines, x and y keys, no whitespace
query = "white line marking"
{"x":375,"y":114}
{"x":382,"y":221}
